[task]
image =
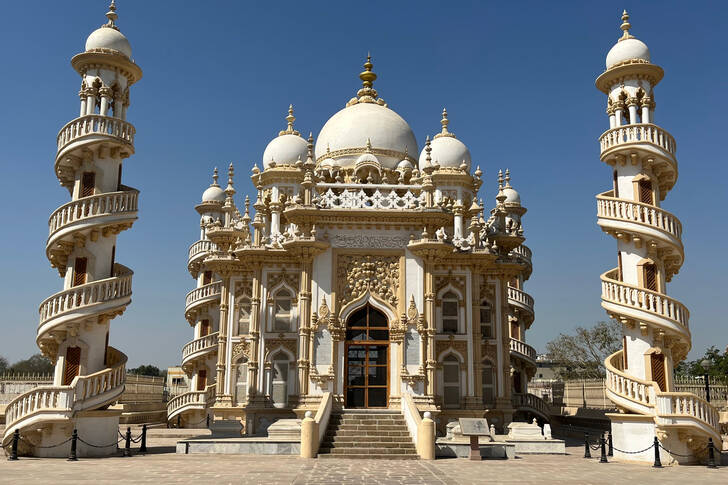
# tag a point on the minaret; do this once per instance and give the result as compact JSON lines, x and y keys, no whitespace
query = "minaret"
{"x":75,"y":322}
{"x":649,"y":252}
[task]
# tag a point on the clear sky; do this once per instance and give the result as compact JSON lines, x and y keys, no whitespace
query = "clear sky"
{"x":517,"y":79}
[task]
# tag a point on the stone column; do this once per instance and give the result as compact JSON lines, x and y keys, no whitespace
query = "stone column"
{"x":82,"y":95}
{"x":254,"y":362}
{"x":477,"y":281}
{"x":304,"y":322}
{"x":106,"y":95}
{"x":90,"y":101}
{"x":431,"y":329}
{"x":222,"y":340}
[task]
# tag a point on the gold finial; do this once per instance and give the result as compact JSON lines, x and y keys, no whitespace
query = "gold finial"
{"x":444,"y":122}
{"x":112,"y":16}
{"x":625,"y":26}
{"x":289,"y":119}
{"x":214,"y":178}
{"x":368,"y":76}
{"x":367,"y":94}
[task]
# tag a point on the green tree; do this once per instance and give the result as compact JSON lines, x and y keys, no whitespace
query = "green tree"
{"x":37,"y":364}
{"x":146,"y":370}
{"x":694,"y":368}
{"x":3,"y":364}
{"x":581,"y":355}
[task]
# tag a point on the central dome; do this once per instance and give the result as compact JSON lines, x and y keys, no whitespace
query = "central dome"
{"x":344,"y":136}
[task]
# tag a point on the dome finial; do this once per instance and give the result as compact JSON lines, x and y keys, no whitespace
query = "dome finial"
{"x":508,"y":179}
{"x":625,"y":26}
{"x":289,"y":119}
{"x":368,"y":76}
{"x":214,"y":178}
{"x":444,"y":122}
{"x":369,"y":145}
{"x":229,"y":190}
{"x":500,"y":179}
{"x":367,"y":94}
{"x":112,"y":16}
{"x":428,"y":150}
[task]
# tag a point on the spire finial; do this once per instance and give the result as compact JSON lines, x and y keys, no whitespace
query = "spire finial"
{"x":428,"y":149}
{"x":444,"y":122}
{"x":367,"y":94}
{"x":369,"y":145}
{"x":625,"y":26}
{"x":214,"y":178}
{"x":289,"y":119}
{"x":508,"y":178}
{"x":500,"y":179}
{"x":111,"y":15}
{"x":231,"y":172}
{"x":368,"y":76}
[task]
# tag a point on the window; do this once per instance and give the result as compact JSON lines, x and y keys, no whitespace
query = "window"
{"x":118,"y":182}
{"x":73,"y":365}
{"x":241,"y":384}
{"x":620,"y":275}
{"x":279,"y":379}
{"x":451,"y":381}
{"x":450,"y":306}
{"x":515,"y":330}
{"x":624,"y":352}
{"x":486,"y":320}
{"x":205,"y":328}
{"x":282,"y":309}
{"x":244,"y":308}
{"x":513,"y":283}
{"x":113,"y":260}
{"x":79,"y":271}
{"x":488,"y":383}
{"x":207,"y":277}
{"x":649,"y":276}
{"x":616,"y":184}
{"x":645,"y":192}
{"x":201,"y":379}
{"x":88,"y":182}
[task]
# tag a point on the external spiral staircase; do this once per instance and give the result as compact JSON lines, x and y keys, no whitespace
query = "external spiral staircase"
{"x":650,"y":310}
{"x":74,"y":322}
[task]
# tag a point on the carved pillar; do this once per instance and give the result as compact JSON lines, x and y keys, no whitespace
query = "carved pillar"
{"x":304,"y":327}
{"x":222,"y":340}
{"x":254,"y":361}
{"x":477,"y":281}
{"x":430,"y":319}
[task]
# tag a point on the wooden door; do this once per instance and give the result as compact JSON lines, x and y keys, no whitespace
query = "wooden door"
{"x":73,"y":365}
{"x":201,"y":379}
{"x":650,"y":276}
{"x":79,"y":271}
{"x":657,"y":364}
{"x":366,"y":375}
{"x":205,"y":328}
{"x":207,"y":277}
{"x":88,"y":183}
{"x":645,"y":187}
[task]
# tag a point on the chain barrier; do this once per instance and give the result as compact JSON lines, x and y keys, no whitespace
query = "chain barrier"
{"x":685,"y":456}
{"x":74,"y":438}
{"x":44,"y":447}
{"x":98,"y":446}
{"x":633,"y":452}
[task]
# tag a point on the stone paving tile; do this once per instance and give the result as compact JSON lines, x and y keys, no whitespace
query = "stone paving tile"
{"x":165,"y":467}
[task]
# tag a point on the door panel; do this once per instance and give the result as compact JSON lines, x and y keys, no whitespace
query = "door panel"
{"x":367,"y":359}
{"x":73,"y":365}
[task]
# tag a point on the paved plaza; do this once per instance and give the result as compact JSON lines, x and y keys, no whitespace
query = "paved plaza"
{"x":163,"y":466}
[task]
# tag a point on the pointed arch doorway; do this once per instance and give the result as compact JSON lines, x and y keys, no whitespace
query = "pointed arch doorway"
{"x":366,"y":382}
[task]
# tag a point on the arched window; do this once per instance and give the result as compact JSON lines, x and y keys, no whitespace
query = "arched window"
{"x":279,"y":379}
{"x":450,"y":307}
{"x":244,"y":307}
{"x":282,"y":309}
{"x":488,"y":384}
{"x":451,"y":381}
{"x":486,"y":320}
{"x":241,"y":383}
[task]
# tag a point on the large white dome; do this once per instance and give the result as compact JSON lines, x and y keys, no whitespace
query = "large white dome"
{"x":627,"y":50}
{"x":346,"y":133}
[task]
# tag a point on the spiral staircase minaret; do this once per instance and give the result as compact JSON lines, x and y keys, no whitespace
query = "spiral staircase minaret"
{"x":650,"y":252}
{"x":74,"y":323}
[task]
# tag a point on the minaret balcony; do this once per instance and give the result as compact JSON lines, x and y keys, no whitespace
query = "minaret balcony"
{"x":112,"y":211}
{"x":46,"y":403}
{"x":91,"y":129}
{"x":523,"y":351}
{"x":200,"y":347}
{"x":191,"y":401}
{"x":642,"y":221}
{"x":198,"y":252}
{"x":632,"y":303}
{"x":671,"y":409}
{"x":200,"y":298}
{"x":108,"y":296}
{"x":523,"y":302}
{"x":523,"y":254}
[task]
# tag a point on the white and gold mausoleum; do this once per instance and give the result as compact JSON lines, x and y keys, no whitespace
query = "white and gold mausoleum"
{"x":363,"y":271}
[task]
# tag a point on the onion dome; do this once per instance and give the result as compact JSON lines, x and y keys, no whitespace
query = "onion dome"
{"x":344,"y":136}
{"x":513,"y":198}
{"x":213,"y":193}
{"x":447,"y":150}
{"x":108,"y":37}
{"x":628,"y":49}
{"x":288,"y":147}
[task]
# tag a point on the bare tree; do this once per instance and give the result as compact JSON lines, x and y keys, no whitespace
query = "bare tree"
{"x":581,"y":356}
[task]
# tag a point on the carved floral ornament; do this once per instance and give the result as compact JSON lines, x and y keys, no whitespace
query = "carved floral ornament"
{"x":241,"y":349}
{"x":357,"y":274}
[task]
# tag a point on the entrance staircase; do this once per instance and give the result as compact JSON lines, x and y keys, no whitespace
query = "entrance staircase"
{"x":368,"y":433}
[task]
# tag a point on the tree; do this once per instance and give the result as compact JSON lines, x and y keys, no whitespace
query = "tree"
{"x":147,"y":370}
{"x":694,"y":368}
{"x":3,"y":364}
{"x":36,"y":364}
{"x":581,"y":356}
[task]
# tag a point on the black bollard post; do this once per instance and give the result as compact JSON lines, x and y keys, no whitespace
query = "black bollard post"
{"x":611,"y":446}
{"x":143,"y":447}
{"x":74,"y":439}
{"x":179,"y":421}
{"x":656,"y":445}
{"x":587,"y":453}
{"x":14,"y":446}
{"x":207,"y":421}
{"x":711,"y":454}
{"x":603,"y":458}
{"x":127,"y":445}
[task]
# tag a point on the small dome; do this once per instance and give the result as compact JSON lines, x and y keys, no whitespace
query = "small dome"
{"x":367,"y":159}
{"x":627,"y":48}
{"x":213,"y":194}
{"x":512,"y":196}
{"x":404,"y":165}
{"x":447,"y":150}
{"x":108,"y":36}
{"x":285,"y":150}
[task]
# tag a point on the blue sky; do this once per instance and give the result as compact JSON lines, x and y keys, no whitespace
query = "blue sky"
{"x":517,"y":79}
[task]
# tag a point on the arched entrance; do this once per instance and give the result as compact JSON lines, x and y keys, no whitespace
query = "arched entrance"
{"x":367,"y":359}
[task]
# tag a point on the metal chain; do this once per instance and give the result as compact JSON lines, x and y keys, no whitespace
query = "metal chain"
{"x":99,"y":446}
{"x":684,"y":456}
{"x":44,"y":447}
{"x":632,"y":452}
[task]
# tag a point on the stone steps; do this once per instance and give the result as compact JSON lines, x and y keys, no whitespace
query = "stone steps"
{"x":381,"y":434}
